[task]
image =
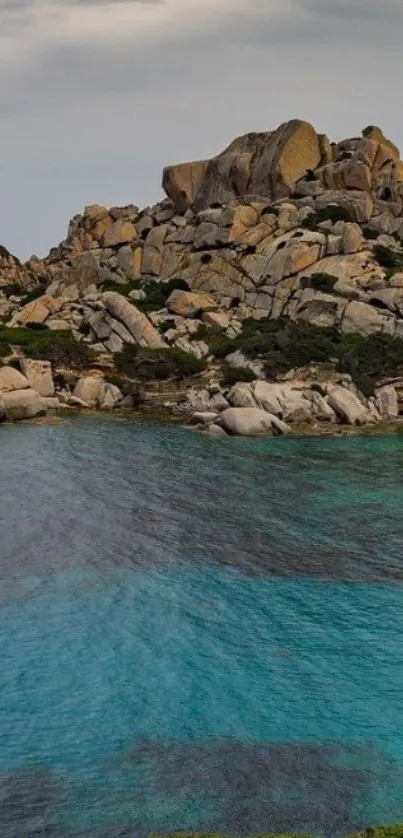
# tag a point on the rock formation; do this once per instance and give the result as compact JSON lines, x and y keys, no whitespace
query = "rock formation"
{"x":282,"y":225}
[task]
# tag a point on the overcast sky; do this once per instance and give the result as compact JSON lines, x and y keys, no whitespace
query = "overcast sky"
{"x":97,"y":96}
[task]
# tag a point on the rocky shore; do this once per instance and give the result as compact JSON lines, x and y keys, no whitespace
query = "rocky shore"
{"x":263,"y":295}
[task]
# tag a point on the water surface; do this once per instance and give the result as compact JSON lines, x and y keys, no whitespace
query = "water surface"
{"x":198,"y":634}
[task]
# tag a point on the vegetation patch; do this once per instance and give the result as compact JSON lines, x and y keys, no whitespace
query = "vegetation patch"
{"x":285,"y":344}
{"x":45,"y":345}
{"x":387,"y":257}
{"x":157,"y":364}
{"x":332,"y":212}
{"x":156,"y":293}
{"x":320,"y":282}
{"x":370,"y":233}
{"x":232,"y":375}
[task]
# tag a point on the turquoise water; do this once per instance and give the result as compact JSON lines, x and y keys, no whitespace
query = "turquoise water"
{"x":197,"y":634}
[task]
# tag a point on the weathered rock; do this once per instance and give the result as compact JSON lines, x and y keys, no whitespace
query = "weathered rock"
{"x":190,"y":303}
{"x":241,"y":395}
{"x":182,"y":182}
{"x":216,"y":431}
{"x":36,"y":312}
{"x":365,"y":319}
{"x":347,"y":406}
{"x":387,"y":403}
{"x":89,"y":390}
{"x":109,"y":396}
{"x":266,"y":164}
{"x":121,"y":232}
{"x":203,"y":417}
{"x":12,"y":379}
{"x":267,"y":396}
{"x":349,"y":174}
{"x":198,"y":400}
{"x":22,"y":404}
{"x":372,"y":132}
{"x":139,"y":326}
{"x":219,"y":319}
{"x":39,"y":376}
{"x":251,"y":421}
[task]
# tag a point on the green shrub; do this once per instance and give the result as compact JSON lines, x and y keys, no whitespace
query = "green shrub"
{"x":157,"y":364}
{"x":13,"y":289}
{"x":156,"y":292}
{"x":319,"y":282}
{"x":166,"y":325}
{"x":231,"y":375}
{"x":387,"y":257}
{"x":332,"y":212}
{"x":370,"y":233}
{"x":34,"y":293}
{"x":370,"y":358}
{"x":37,"y":327}
{"x":45,"y":345}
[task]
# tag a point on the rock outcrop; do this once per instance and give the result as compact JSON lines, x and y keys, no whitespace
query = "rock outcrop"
{"x":282,"y":225}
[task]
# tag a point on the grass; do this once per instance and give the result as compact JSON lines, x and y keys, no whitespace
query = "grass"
{"x":157,"y":364}
{"x":46,"y":345}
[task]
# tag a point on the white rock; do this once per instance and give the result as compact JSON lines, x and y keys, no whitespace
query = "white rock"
{"x":11,"y":379}
{"x":347,"y":406}
{"x":23,"y":404}
{"x":89,"y":390}
{"x":241,"y":395}
{"x":216,"y":431}
{"x":387,"y":403}
{"x":251,"y":421}
{"x":39,"y":375}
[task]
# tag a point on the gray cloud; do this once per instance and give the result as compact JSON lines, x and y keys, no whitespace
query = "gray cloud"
{"x":89,"y":116}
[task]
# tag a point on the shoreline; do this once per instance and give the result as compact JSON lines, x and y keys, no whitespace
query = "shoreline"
{"x":303,"y":430}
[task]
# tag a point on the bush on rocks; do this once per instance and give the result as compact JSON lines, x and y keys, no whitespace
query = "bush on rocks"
{"x":232,"y":375}
{"x":157,"y":364}
{"x":156,"y":292}
{"x":46,"y":345}
{"x":332,"y":212}
{"x":387,"y":257}
{"x":319,"y":282}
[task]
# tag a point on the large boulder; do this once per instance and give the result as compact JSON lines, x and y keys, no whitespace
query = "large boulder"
{"x":89,"y":389}
{"x":12,"y":379}
{"x":251,"y":421}
{"x":22,"y":404}
{"x":120,"y":232}
{"x":347,"y":406}
{"x":182,"y":182}
{"x":366,"y":319}
{"x":372,"y":132}
{"x":267,"y":164}
{"x":36,"y":312}
{"x":39,"y":376}
{"x":387,"y":403}
{"x":136,"y":323}
{"x":190,"y":303}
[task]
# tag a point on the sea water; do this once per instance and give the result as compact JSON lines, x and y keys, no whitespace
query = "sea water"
{"x":198,"y":634}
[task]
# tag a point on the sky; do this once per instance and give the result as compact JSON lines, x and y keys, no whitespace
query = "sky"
{"x":97,"y":96}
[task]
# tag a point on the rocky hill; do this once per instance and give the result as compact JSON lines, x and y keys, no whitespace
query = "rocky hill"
{"x":278,"y":264}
